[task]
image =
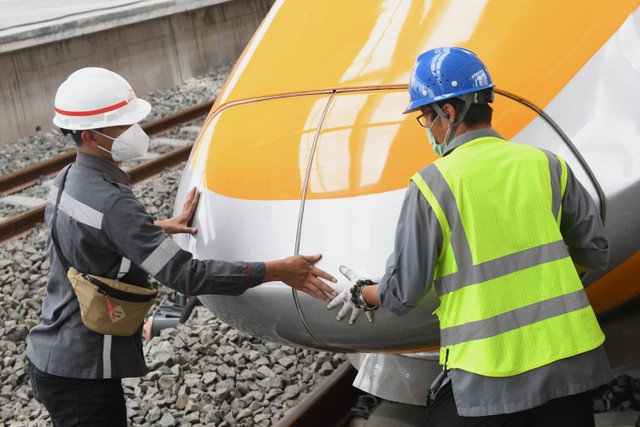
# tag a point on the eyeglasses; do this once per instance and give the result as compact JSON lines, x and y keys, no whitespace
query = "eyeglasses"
{"x":422,"y":119}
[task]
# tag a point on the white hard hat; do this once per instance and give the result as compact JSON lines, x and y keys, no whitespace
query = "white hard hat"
{"x":93,"y":98}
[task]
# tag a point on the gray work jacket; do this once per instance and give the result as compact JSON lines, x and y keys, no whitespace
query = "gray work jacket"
{"x":409,"y":275}
{"x":103,"y":229}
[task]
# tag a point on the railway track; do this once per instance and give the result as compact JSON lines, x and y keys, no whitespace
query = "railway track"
{"x":23,"y":223}
{"x":328,"y":404}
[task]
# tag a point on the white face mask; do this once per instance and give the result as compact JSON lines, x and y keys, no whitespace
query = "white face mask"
{"x":132,"y":143}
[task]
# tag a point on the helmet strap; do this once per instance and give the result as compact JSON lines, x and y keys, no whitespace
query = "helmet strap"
{"x":453,"y":126}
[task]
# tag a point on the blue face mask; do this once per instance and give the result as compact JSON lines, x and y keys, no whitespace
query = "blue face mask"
{"x":438,"y":148}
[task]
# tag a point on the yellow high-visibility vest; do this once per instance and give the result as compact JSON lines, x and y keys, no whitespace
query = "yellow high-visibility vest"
{"x":511,"y":299}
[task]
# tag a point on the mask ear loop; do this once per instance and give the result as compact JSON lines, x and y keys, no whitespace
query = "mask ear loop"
{"x":453,"y":126}
{"x":100,"y":146}
{"x":102,"y":134}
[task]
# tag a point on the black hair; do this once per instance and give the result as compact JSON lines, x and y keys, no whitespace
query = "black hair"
{"x":76,"y":135}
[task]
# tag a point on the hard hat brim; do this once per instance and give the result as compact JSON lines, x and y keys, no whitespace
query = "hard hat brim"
{"x":129,"y":115}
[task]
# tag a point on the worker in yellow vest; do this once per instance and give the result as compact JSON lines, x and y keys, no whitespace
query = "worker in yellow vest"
{"x":501,"y":231}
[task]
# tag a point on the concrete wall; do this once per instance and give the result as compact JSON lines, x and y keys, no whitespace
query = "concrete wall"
{"x":154,"y":54}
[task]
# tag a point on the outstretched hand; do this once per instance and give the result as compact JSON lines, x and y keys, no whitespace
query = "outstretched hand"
{"x":180,"y":222}
{"x":348,"y":306}
{"x":301,"y":274}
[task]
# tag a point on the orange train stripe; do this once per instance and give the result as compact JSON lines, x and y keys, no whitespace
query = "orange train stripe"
{"x":620,"y":285}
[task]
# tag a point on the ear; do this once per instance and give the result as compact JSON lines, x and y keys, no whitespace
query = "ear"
{"x":450,"y":112}
{"x":89,"y":137}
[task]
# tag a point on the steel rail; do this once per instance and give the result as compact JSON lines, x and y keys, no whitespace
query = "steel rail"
{"x":20,"y":224}
{"x":328,"y":404}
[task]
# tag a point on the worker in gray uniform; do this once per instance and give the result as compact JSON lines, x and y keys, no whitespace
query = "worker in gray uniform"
{"x":501,"y":232}
{"x":104,"y":230}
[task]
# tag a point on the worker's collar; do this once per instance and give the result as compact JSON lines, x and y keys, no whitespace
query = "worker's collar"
{"x":108,"y":168}
{"x":470,"y":136}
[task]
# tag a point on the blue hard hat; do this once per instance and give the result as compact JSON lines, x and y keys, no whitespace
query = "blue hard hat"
{"x":444,"y":73}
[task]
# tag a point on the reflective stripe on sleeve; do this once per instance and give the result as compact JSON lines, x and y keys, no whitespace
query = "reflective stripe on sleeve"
{"x":53,"y":195}
{"x":160,"y":257}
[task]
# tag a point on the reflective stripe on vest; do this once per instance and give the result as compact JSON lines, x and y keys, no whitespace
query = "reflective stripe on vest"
{"x":503,"y":284}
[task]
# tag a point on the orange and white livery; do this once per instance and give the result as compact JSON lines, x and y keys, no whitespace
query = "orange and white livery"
{"x":306,"y":149}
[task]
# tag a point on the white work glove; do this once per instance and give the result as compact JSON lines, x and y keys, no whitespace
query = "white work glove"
{"x":344,"y":297}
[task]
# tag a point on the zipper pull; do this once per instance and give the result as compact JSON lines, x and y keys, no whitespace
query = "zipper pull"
{"x":110,"y":307}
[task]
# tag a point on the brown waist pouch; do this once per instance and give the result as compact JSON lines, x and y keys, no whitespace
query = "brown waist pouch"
{"x":109,"y":306}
